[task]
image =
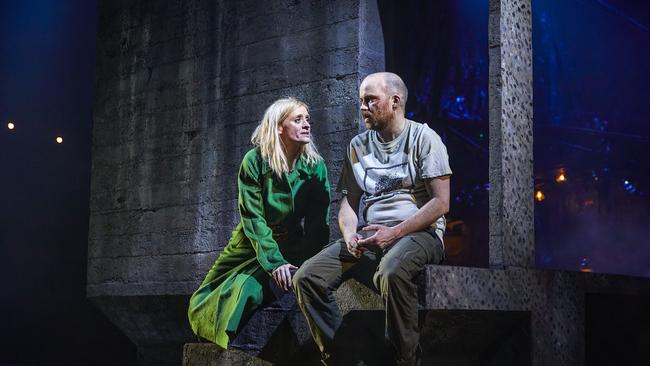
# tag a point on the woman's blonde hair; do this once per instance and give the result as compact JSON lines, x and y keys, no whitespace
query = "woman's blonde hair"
{"x":266,"y":137}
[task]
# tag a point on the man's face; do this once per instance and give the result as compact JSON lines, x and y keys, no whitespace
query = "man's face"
{"x":376,"y":105}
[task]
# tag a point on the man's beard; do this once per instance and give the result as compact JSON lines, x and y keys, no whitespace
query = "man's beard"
{"x":373,"y":124}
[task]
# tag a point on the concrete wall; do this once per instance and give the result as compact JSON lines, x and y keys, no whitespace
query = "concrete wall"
{"x":180,"y":87}
{"x":512,"y":237}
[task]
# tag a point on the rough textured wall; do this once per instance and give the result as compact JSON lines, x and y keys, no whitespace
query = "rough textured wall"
{"x":512,"y":239}
{"x":180,"y":87}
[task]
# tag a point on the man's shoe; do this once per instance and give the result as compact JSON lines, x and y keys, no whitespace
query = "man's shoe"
{"x":338,"y":360}
{"x":414,"y":360}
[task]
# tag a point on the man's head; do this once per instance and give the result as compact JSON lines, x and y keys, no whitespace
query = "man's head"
{"x":383,"y":99}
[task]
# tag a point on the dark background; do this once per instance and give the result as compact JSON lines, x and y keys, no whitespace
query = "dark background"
{"x":441,"y":52}
{"x":591,"y":90}
{"x":47,"y":71}
{"x":591,"y":84}
{"x":591,"y":60}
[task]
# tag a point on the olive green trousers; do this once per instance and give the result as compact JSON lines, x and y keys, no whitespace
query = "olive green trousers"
{"x":392,"y":271}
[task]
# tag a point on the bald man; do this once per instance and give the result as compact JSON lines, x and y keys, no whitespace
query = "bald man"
{"x":395,"y":186}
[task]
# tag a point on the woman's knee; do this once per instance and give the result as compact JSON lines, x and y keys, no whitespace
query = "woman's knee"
{"x":254,"y":291}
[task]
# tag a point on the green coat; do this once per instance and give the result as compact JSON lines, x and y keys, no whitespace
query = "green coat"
{"x":268,"y":235}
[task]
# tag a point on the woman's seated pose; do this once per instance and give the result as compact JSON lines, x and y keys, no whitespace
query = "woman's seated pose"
{"x":284,"y":198}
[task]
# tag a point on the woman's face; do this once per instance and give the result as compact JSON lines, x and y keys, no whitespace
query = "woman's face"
{"x":295,"y":129}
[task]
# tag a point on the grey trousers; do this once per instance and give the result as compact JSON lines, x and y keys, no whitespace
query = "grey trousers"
{"x":394,"y":270}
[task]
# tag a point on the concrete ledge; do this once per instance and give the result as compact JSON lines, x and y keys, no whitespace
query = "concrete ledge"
{"x":528,"y":314}
{"x":353,"y":295}
{"x":209,"y":354}
{"x":448,"y":338}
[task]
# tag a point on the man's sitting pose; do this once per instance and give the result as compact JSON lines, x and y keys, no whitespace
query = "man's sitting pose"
{"x":395,"y":183}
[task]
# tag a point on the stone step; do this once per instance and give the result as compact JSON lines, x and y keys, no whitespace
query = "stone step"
{"x":453,"y":338}
{"x":209,"y":354}
{"x":469,"y":316}
{"x":278,"y":334}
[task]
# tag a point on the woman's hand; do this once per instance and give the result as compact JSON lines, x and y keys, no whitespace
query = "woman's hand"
{"x":282,"y":276}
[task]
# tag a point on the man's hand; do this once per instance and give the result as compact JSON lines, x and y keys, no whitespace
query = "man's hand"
{"x":282,"y":276}
{"x":353,"y":246}
{"x":383,"y":238}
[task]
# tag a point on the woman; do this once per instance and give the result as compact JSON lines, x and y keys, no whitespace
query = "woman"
{"x":282,"y":181}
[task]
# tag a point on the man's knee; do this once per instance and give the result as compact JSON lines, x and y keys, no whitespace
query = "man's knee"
{"x":300,"y":277}
{"x":307,"y":278}
{"x":307,"y":284}
{"x":388,"y":273}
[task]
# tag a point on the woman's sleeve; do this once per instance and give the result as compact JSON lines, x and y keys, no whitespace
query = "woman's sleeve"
{"x":317,"y":215}
{"x":251,"y":210}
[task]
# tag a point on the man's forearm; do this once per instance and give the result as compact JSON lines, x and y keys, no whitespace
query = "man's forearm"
{"x":348,"y":220}
{"x":423,"y":218}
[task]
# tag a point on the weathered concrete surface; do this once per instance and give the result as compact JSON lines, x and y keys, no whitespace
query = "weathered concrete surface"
{"x":209,"y":354}
{"x":180,"y":87}
{"x":449,"y":338}
{"x":511,"y":134}
{"x":151,"y":322}
{"x":459,"y":337}
{"x":469,"y":316}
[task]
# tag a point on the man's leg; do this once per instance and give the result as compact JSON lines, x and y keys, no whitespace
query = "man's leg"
{"x":394,"y":279}
{"x":314,"y":284}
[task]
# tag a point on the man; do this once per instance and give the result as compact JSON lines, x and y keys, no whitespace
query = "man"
{"x":395,"y":183}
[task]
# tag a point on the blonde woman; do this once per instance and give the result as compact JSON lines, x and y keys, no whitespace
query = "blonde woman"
{"x":282,"y":182}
